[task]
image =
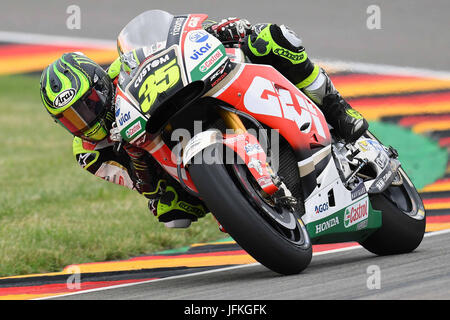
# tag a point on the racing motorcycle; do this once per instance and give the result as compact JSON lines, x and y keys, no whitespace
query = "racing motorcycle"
{"x":275,"y":197}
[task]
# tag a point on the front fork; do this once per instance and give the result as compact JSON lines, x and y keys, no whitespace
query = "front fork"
{"x":250,"y":151}
{"x":270,"y":183}
{"x":241,"y":142}
{"x":232,"y":121}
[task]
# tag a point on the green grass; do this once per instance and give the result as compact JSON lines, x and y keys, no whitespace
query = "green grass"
{"x":53,"y":213}
{"x":422,"y":158}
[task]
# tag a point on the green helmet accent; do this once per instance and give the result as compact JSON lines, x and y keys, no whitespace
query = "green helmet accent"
{"x":77,"y":93}
{"x":65,"y":75}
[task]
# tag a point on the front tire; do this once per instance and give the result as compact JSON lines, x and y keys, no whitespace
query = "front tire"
{"x":278,"y":248}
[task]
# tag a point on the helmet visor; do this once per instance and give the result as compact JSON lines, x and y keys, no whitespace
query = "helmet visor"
{"x":84,"y":113}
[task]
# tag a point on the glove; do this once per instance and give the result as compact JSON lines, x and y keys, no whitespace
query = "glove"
{"x":279,"y":47}
{"x":230,"y":30}
{"x":114,"y":133}
{"x":275,"y":43}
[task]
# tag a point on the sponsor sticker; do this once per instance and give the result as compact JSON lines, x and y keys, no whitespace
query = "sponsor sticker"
{"x":381,"y":183}
{"x":223,"y":75}
{"x":152,"y":48}
{"x":64,"y":98}
{"x":209,"y":62}
{"x":321,"y":227}
{"x":265,"y":181}
{"x":85,"y":158}
{"x":359,"y":191}
{"x":381,"y":160}
{"x":124,"y":118}
{"x":363,"y":146}
{"x":218,"y":75}
{"x":216,"y":56}
{"x":321,"y":208}
{"x":252,"y":149}
{"x":376,"y":145}
{"x":256,"y":164}
{"x":356,"y":213}
{"x":362,"y":225}
{"x":198,"y":36}
{"x":297,"y":57}
{"x":177,"y":25}
{"x":200,"y":52}
{"x":193,"y":22}
{"x":133,"y":129}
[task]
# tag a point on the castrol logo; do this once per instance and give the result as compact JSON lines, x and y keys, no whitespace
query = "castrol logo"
{"x":356,"y":213}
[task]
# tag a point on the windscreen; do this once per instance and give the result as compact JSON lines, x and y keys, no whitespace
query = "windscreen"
{"x":147,"y":29}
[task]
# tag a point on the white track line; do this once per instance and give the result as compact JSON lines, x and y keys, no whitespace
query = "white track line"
{"x":427,"y":235}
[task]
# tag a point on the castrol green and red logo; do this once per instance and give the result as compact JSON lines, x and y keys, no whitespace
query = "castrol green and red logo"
{"x":356,"y":213}
{"x":206,"y":65}
{"x":209,"y":63}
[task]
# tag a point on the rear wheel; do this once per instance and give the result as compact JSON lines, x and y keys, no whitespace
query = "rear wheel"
{"x":273,"y":235}
{"x":403,"y":219}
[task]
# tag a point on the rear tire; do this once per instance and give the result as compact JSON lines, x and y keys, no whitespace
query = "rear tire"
{"x":274,"y":246}
{"x":403,"y":220}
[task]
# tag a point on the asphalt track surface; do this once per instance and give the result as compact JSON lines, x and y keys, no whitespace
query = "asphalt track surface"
{"x":414,"y":33}
{"x":421,"y":275}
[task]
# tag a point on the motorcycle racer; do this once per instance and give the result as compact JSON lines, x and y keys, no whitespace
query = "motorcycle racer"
{"x":78,"y":94}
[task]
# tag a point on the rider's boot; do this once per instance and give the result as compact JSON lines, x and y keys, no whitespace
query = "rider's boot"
{"x":169,"y":203}
{"x":175,"y":207}
{"x":348,"y":123}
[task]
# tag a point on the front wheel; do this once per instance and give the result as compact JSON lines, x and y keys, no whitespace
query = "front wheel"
{"x":403,"y":219}
{"x":275,"y":237}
